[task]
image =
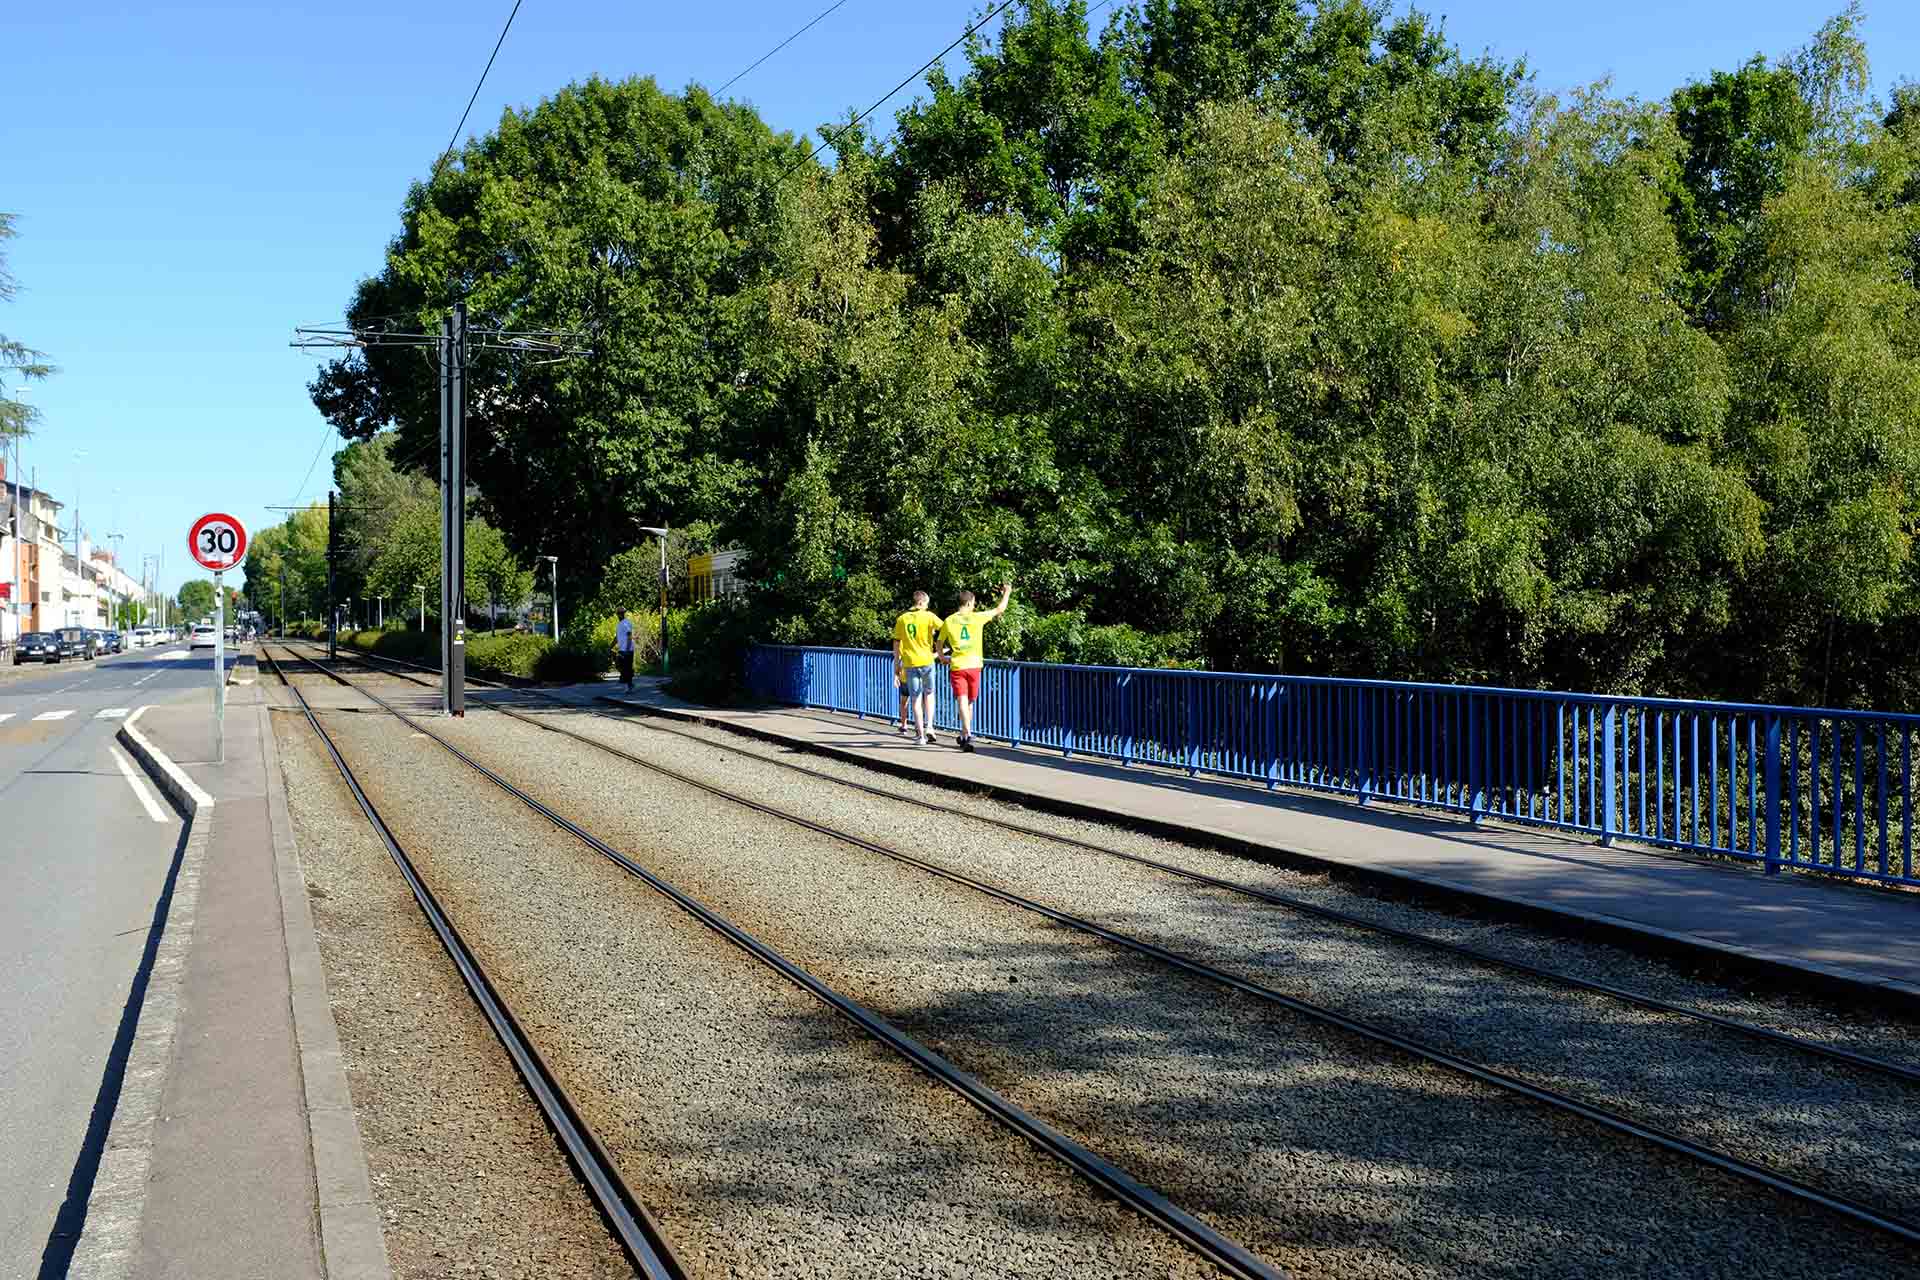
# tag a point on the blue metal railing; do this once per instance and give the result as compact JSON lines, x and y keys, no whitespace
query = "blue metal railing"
{"x":1797,"y":787}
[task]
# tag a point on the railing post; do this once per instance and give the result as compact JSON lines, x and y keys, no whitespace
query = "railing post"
{"x":1773,"y":795}
{"x":1274,"y":693}
{"x":1609,"y":780}
{"x":1013,"y":700}
{"x":1363,"y":746}
{"x":1126,"y":719}
{"x":1193,"y":726}
{"x":1474,"y":807}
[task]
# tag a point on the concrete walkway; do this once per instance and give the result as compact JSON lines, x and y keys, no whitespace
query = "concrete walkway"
{"x":1792,"y":930}
{"x":247,"y":1160}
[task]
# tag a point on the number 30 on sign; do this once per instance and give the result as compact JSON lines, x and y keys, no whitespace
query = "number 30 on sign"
{"x":218,"y":541}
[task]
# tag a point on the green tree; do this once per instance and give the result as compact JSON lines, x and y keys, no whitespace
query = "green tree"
{"x":196,"y":599}
{"x":492,"y":568}
{"x":17,"y":360}
{"x":130,"y":614}
{"x":620,"y":214}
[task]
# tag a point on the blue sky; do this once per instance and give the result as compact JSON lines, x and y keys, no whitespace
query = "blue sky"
{"x":193,"y":180}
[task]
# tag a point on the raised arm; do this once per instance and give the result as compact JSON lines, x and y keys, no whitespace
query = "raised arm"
{"x":1006,"y":593}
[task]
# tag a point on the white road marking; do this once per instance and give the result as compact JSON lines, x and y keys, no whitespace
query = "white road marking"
{"x":143,"y":679}
{"x":5,"y":716}
{"x":139,"y":787}
{"x":173,"y":653}
{"x":111,"y":713}
{"x":53,"y":715}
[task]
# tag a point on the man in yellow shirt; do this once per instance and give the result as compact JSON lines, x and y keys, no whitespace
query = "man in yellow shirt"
{"x":963,"y":635}
{"x":914,"y":635}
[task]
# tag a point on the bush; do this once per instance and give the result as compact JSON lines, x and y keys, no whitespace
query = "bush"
{"x":506,"y":654}
{"x":709,"y":651}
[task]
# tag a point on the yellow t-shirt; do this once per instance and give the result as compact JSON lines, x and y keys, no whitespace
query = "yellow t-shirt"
{"x":963,"y":635}
{"x":916,"y":630}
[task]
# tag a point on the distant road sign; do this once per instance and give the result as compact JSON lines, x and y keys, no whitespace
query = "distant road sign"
{"x":218,"y":541}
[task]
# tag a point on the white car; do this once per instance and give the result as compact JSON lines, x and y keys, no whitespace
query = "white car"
{"x":143,"y":637}
{"x":204,"y":636}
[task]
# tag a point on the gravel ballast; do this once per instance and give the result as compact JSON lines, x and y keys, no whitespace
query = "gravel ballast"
{"x":1824,"y":1123}
{"x":1331,"y":1157}
{"x":767,"y":1135}
{"x":1847,"y":1027}
{"x":466,"y":1175}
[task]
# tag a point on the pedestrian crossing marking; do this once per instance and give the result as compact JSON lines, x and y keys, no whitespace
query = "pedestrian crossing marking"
{"x":53,"y":715}
{"x":5,"y":716}
{"x":112,"y":713}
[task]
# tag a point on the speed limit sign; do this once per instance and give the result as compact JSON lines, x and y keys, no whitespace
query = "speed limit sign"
{"x":218,"y":541}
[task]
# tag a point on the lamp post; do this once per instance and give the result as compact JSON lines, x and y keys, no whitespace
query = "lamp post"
{"x":422,"y":588}
{"x":381,"y":625}
{"x":19,"y":548}
{"x":662,"y":535}
{"x":555,"y":562}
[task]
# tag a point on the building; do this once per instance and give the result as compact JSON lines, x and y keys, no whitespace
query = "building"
{"x":33,"y":566}
{"x":43,"y":583}
{"x":715,"y":576}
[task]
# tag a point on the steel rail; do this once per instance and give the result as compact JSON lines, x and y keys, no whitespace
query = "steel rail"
{"x":1842,"y":1206}
{"x":1766,"y":1035}
{"x":1232,"y":1257}
{"x":1780,"y":1039}
{"x":645,"y":1245}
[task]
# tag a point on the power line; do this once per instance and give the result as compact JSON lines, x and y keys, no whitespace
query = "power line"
{"x":991,"y":14}
{"x":777,"y":48}
{"x":476,"y":88}
{"x":316,"y":461}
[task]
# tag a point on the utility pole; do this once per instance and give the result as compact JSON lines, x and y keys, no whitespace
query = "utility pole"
{"x":555,"y":562}
{"x":454,"y":344}
{"x":661,"y":533}
{"x":333,"y":610}
{"x":453,"y":511}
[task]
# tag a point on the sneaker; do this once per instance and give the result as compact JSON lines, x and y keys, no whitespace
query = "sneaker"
{"x":923,"y":740}
{"x":931,"y":737}
{"x":906,"y":731}
{"x":965,"y":744}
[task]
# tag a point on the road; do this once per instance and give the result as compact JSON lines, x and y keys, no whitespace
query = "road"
{"x":87,"y":847}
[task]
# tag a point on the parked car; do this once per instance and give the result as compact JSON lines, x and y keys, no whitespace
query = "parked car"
{"x":204,"y":636}
{"x":116,"y":641}
{"x":78,"y":642}
{"x":37,"y":646}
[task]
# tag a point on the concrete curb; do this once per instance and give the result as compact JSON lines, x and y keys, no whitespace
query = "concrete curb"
{"x":351,"y":1241}
{"x":109,"y":1245}
{"x":1832,"y":981}
{"x":185,"y":794}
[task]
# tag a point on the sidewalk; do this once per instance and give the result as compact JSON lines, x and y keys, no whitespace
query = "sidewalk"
{"x":1855,"y":942}
{"x":251,"y":1158}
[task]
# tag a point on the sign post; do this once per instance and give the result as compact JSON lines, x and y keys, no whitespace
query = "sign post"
{"x":218,"y":542}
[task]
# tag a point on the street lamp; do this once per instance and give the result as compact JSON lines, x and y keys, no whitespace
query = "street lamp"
{"x":662,"y":535}
{"x":381,"y":625}
{"x":421,"y":587}
{"x":555,"y":562}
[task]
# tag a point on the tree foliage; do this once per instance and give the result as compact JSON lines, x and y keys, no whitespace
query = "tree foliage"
{"x":196,"y":598}
{"x":1245,"y":333}
{"x":18,"y":361}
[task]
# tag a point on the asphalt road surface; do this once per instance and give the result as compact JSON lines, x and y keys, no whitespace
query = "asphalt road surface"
{"x":86,"y":844}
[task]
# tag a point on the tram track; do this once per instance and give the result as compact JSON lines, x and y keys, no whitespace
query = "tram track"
{"x":632,"y":1226}
{"x":1190,"y":1231}
{"x":1606,"y":1118}
{"x":651,"y":718}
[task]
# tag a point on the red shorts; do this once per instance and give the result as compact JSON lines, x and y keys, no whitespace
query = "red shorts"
{"x":965,"y":681}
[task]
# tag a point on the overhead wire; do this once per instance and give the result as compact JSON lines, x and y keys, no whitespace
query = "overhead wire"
{"x":990,"y":15}
{"x":477,"y":85}
{"x":777,"y":48}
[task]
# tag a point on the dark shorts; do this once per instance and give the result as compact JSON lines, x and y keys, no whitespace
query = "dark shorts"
{"x":624,"y":657}
{"x":965,"y":682}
